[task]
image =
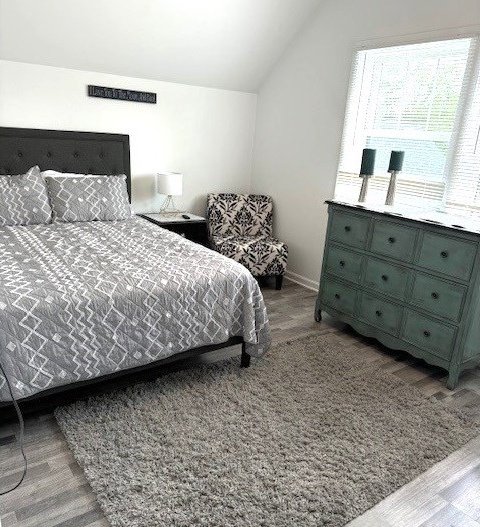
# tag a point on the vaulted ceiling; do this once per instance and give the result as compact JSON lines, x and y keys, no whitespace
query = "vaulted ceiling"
{"x":229,"y":44}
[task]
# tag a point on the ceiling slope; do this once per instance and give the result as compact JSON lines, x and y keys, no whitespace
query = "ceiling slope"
{"x":230,"y":44}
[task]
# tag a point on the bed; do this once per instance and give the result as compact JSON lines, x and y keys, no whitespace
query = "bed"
{"x":84,"y":303}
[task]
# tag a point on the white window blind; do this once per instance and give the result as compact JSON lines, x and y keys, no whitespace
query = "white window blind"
{"x":463,"y":192}
{"x":415,"y":98}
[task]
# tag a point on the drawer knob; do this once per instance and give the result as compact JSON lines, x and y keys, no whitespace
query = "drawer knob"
{"x":391,"y":239}
{"x":347,"y":228}
{"x":384,"y":277}
{"x":337,"y":296}
{"x":435,"y":295}
{"x":378,"y":313}
{"x":426,"y":333}
{"x":444,"y":254}
{"x":342,"y":263}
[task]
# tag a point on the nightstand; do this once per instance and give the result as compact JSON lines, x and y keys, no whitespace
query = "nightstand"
{"x":194,"y":229}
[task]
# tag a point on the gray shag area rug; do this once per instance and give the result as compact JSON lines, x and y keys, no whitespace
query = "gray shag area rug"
{"x":308,"y":436}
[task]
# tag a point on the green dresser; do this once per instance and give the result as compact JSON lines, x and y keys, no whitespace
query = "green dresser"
{"x":411,"y":283}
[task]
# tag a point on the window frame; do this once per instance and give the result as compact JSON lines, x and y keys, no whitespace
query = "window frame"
{"x":438,"y":187}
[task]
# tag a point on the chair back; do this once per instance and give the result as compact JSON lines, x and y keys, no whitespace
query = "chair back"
{"x":239,"y":214}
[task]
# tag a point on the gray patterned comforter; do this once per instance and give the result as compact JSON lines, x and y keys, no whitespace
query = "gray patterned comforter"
{"x":81,"y":300}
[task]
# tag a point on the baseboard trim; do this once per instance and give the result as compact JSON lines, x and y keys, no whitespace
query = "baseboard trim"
{"x":302,"y":280}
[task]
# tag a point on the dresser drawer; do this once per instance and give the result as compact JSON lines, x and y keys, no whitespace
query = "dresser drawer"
{"x":393,"y":240}
{"x":386,"y":278}
{"x":346,"y":264}
{"x":437,"y":296}
{"x":429,"y":334}
{"x":349,"y":229}
{"x":380,"y":313}
{"x":339,"y":296}
{"x":447,"y":255}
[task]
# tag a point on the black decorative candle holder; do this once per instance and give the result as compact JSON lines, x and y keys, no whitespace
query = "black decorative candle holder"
{"x":366,"y":171}
{"x":395,"y":166}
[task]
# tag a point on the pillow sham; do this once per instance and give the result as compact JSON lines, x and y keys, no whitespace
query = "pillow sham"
{"x":24,"y":199}
{"x":86,"y":198}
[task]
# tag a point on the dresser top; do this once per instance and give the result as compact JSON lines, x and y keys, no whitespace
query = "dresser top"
{"x":435,"y":218}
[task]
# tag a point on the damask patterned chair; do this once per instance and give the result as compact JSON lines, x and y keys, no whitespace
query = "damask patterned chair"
{"x":240,"y":227}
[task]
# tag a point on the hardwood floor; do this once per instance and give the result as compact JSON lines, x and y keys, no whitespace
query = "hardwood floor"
{"x":56,"y":493}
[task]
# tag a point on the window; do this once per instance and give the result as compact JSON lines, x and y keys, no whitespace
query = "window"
{"x":423,"y":99}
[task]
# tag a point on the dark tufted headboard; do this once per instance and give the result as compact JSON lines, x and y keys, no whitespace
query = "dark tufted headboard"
{"x":77,"y":152}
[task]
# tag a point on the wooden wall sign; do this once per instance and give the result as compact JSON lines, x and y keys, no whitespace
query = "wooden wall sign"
{"x":122,"y":95}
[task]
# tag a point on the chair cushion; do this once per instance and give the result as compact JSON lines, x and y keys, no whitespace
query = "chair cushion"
{"x":239,"y":215}
{"x":261,"y":255}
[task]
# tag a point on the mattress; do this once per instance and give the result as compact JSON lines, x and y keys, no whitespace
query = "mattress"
{"x":82,"y":300}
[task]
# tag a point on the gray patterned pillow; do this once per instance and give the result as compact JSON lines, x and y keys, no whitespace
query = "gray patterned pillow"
{"x":87,"y":198}
{"x":24,"y":199}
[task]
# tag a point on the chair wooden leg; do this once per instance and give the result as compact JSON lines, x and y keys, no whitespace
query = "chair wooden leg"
{"x":245,"y":359}
{"x":278,"y":282}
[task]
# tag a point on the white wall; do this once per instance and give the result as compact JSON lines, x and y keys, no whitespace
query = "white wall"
{"x":301,"y":105}
{"x":205,"y":133}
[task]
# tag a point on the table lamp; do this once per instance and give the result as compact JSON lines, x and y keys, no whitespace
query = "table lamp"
{"x":169,"y":184}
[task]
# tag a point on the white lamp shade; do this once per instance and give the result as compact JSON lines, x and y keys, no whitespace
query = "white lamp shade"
{"x":170,"y":183}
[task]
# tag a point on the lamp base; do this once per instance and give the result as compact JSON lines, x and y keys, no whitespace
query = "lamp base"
{"x":168,"y":207}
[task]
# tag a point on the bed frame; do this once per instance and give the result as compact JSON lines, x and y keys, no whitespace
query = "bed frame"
{"x":84,"y":153}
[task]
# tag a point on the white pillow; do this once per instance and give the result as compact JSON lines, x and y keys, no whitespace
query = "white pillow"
{"x":54,"y":173}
